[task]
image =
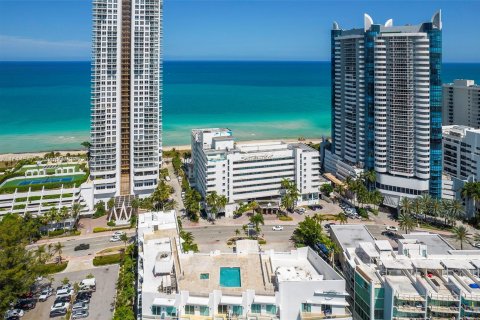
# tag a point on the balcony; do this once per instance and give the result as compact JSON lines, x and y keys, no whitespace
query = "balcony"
{"x":315,"y":316}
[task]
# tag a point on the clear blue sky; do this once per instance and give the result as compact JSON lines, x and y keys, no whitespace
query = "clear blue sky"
{"x":232,"y":29}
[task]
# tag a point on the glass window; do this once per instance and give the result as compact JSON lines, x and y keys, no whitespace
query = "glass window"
{"x":271,"y":309}
{"x":171,"y":311}
{"x":256,"y":308}
{"x":204,"y":311}
{"x":237,"y":310}
{"x":222,"y":308}
{"x":306,"y":307}
{"x":189,"y":309}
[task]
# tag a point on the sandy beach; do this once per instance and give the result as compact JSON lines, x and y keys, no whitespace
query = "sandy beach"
{"x":27,"y":155}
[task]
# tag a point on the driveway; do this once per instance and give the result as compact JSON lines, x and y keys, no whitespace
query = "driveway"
{"x":101,"y":303}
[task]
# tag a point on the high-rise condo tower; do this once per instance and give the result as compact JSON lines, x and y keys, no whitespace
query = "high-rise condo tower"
{"x":387,"y":105}
{"x":126,"y":97}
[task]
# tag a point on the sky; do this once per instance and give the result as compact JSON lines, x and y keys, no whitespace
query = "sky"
{"x":232,"y":29}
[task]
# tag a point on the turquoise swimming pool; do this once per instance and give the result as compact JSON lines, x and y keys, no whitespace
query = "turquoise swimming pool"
{"x":230,"y":277}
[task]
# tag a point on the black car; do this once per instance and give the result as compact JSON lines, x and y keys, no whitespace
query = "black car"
{"x":83,"y":297}
{"x":390,"y":234}
{"x":13,"y":318}
{"x":63,"y":299}
{"x":82,"y":246}
{"x":26,"y":304}
{"x":88,"y":293}
{"x":58,"y":313}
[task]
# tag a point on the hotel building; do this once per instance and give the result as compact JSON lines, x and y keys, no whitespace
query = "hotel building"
{"x":386,"y":105}
{"x":420,"y":277}
{"x":247,"y":284}
{"x":125,"y":105}
{"x":252,"y":171}
{"x":461,"y":103}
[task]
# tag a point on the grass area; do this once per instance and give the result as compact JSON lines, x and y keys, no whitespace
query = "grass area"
{"x":103,"y":229}
{"x":285,"y":218}
{"x":50,"y":268}
{"x":19,"y":206}
{"x":108,"y":259}
{"x":51,"y":196}
{"x":111,"y":250}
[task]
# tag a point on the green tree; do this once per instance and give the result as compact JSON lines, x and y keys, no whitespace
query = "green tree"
{"x":58,"y":249}
{"x":124,"y":239}
{"x":290,"y":194}
{"x":326,"y":189}
{"x":76,"y":208}
{"x":257,"y":219}
{"x":309,"y":233}
{"x":215,"y":202}
{"x":135,"y":204}
{"x":342,"y":218}
{"x":471,"y":192}
{"x":406,"y":206}
{"x":110,"y":203}
{"x":161,"y":195}
{"x":426,"y":200}
{"x":192,"y":203}
{"x":406,"y":222}
{"x":461,"y":234}
{"x":17,"y":264}
{"x":64,"y":214}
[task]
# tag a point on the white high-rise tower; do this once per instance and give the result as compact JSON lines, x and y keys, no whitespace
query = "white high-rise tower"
{"x":126,"y":97}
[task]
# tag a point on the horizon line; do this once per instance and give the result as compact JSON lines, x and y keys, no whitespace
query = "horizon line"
{"x":220,"y":60}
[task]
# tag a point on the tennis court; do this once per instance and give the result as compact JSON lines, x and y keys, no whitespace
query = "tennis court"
{"x":44,"y":180}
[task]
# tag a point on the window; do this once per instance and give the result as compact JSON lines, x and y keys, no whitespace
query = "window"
{"x":306,"y":307}
{"x":271,"y":309}
{"x":189,"y":309}
{"x":256,"y":308}
{"x":204,"y":276}
{"x":204,"y":311}
{"x":237,"y":310}
{"x":222,"y":308}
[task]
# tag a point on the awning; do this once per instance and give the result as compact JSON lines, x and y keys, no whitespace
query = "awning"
{"x":457,"y":264}
{"x":332,"y":178}
{"x":383,"y":245}
{"x":432,"y":264}
{"x":476,"y":263}
{"x":231,"y":300}
{"x":201,"y":301}
{"x":335,"y":302}
{"x":164,"y":302}
{"x":264,"y":299}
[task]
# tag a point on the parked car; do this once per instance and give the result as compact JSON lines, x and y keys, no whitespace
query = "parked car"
{"x":14,"y":313}
{"x":476,"y":245}
{"x":390,"y":234}
{"x":80,"y":306}
{"x":62,"y":299}
{"x":47,"y":292}
{"x":60,"y":306}
{"x":391,"y":228}
{"x":300,"y":210}
{"x":58,"y":313}
{"x":88,"y":284}
{"x":65,"y":287}
{"x":84,"y":293}
{"x":277,"y":228}
{"x":79,"y":314}
{"x":167,"y":178}
{"x":82,"y":246}
{"x":118,"y":233}
{"x":26,"y":304}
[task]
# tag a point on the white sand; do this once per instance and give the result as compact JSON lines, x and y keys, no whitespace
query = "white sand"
{"x":19,"y":156}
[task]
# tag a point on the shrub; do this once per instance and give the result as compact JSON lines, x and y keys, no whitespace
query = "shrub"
{"x":285,"y":218}
{"x":111,"y":223}
{"x":20,"y":199}
{"x":362,"y":212}
{"x":100,"y":229}
{"x":108,"y":259}
{"x":262,"y":241}
{"x":50,"y":268}
{"x":56,"y":233}
{"x":19,"y":206}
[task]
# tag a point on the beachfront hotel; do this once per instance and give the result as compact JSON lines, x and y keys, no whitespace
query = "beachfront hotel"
{"x":244,"y":172}
{"x":417,"y":277}
{"x":386,"y":106}
{"x":247,"y":284}
{"x":126,"y":102}
{"x":461,"y":103}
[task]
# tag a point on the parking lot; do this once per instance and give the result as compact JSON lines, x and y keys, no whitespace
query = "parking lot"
{"x":101,"y":303}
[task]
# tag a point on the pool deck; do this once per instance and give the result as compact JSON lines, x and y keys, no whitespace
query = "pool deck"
{"x":251,"y":273}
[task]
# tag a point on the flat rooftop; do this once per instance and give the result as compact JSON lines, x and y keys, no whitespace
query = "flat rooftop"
{"x":349,"y":235}
{"x":251,"y":272}
{"x":435,"y":244}
{"x":402,"y":285}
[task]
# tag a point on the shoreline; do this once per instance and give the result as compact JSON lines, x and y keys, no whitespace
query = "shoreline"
{"x":27,"y":155}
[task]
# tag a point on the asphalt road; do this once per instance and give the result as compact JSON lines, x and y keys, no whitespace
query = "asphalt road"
{"x":96,"y":244}
{"x":213,"y":237}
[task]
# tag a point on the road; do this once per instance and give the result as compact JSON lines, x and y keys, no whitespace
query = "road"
{"x":96,"y":244}
{"x":210,"y":238}
{"x":175,"y":184}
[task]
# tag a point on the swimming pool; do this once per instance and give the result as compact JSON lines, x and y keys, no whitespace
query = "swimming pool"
{"x":230,"y":277}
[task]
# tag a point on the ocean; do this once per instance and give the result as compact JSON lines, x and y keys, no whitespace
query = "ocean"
{"x":46,"y":105}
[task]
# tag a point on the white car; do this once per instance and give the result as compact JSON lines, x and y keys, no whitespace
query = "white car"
{"x":476,"y":245}
{"x":391,"y":228}
{"x":118,"y":233}
{"x":277,"y":228}
{"x":80,"y":306}
{"x":45,"y":294}
{"x":14,"y":313}
{"x":115,"y":239}
{"x":60,"y":306}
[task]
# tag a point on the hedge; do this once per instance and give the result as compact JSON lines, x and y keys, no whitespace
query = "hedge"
{"x":103,"y":229}
{"x":49,"y":268}
{"x":285,"y":218}
{"x":108,"y":259}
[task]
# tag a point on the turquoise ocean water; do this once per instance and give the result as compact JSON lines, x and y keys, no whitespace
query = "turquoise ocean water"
{"x":46,"y":105}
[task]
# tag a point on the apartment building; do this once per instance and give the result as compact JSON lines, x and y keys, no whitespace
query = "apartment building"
{"x":461,"y":103}
{"x":386,"y":105}
{"x":423,"y":277}
{"x":252,"y":171}
{"x":246,"y":284}
{"x":126,"y":97}
{"x":461,"y":152}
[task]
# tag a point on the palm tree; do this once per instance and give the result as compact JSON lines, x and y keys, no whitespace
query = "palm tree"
{"x":425,"y":199}
{"x":237,"y":232}
{"x":471,"y":191}
{"x":135,"y":204}
{"x":340,"y":189}
{"x":376,"y":198}
{"x":342,"y":218}
{"x":215,"y":202}
{"x":406,"y":222}
{"x":76,"y":208}
{"x":57,"y":248}
{"x":461,"y":234}
{"x":435,"y":207}
{"x":41,"y":254}
{"x":253,"y":206}
{"x":290,"y":194}
{"x":406,"y":206}
{"x":369,"y":177}
{"x":318,"y":218}
{"x":110,"y":204}
{"x":456,"y":209}
{"x":64,"y":214}
{"x":417,"y":206}
{"x":257,"y":219}
{"x":124,"y":238}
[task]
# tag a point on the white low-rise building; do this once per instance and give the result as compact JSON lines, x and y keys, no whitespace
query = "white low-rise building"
{"x":252,"y":171}
{"x":248,"y":284}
